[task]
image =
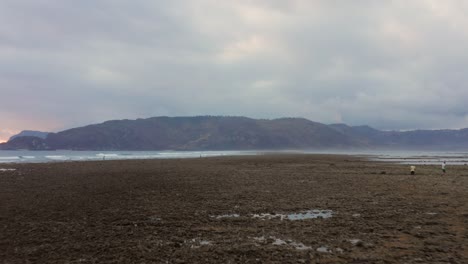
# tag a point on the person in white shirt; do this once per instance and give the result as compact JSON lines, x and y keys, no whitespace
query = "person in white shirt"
{"x":443,"y":167}
{"x":413,"y":168}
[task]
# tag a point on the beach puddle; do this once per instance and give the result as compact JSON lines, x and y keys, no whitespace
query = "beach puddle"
{"x":280,"y":242}
{"x":225,"y":216}
{"x":323,"y":249}
{"x":267,"y":216}
{"x":311,"y":214}
{"x":154,"y":219}
{"x":198,"y":243}
{"x":355,"y":242}
{"x":7,"y":169}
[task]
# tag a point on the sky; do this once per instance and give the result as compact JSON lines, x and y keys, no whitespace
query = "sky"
{"x":393,"y":65}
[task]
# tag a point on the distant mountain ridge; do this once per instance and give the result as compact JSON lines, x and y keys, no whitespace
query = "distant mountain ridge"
{"x":30,"y":133}
{"x":235,"y":133}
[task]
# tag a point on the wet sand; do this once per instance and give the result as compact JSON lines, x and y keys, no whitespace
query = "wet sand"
{"x":203,"y":211}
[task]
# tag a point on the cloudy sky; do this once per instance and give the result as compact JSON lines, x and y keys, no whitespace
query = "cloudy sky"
{"x":389,"y":64}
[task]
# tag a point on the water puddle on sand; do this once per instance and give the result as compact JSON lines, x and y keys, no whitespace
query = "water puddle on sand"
{"x":280,"y":242}
{"x":355,"y":241}
{"x":1,"y":169}
{"x":154,"y":219}
{"x":225,"y":216}
{"x":311,"y":214}
{"x":197,"y":243}
{"x":323,"y":249}
{"x":292,"y":244}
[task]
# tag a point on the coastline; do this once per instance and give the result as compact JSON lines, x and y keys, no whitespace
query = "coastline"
{"x":202,"y":211}
{"x":413,"y":157}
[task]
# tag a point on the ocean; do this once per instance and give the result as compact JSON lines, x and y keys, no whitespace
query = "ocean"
{"x":404,"y":157}
{"x":24,"y":156}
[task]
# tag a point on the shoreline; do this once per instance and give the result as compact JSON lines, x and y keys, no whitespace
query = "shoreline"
{"x":399,"y":157}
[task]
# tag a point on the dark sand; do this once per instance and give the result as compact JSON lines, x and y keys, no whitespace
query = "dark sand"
{"x":164,"y":211}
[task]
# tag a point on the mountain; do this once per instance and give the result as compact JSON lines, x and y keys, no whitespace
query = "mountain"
{"x":366,"y":135}
{"x":30,"y":133}
{"x":235,"y":133}
{"x":25,"y":142}
{"x":199,"y":133}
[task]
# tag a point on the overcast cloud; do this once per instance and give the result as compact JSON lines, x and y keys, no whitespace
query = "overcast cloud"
{"x":388,"y":64}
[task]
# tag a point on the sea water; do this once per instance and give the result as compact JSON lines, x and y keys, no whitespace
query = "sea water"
{"x":25,"y":156}
{"x":405,"y":157}
{"x":414,"y":157}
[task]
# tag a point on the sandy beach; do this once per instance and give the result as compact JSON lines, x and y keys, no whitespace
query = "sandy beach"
{"x":233,"y":210}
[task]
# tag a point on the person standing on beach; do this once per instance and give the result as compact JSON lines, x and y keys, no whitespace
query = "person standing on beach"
{"x":443,"y":167}
{"x":413,"y":168}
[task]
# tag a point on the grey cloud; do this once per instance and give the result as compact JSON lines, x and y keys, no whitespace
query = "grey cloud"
{"x":392,"y":65}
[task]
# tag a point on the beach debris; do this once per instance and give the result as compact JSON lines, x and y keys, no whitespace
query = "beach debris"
{"x":356,"y":215}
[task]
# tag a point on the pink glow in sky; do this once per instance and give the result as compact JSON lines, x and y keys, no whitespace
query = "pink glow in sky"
{"x":388,"y":64}
{"x":6,"y":134}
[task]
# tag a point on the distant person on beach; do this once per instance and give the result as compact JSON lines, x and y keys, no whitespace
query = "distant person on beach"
{"x":413,"y":169}
{"x":443,"y":167}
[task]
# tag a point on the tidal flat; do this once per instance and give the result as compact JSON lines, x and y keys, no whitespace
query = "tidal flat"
{"x":202,"y":211}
